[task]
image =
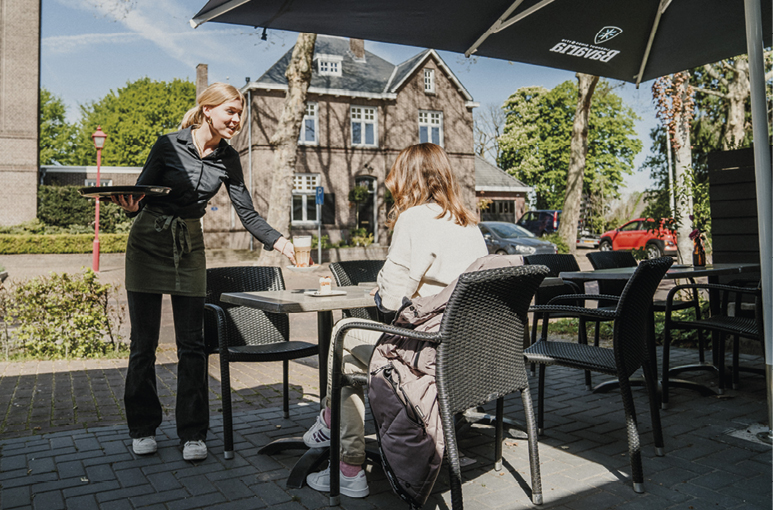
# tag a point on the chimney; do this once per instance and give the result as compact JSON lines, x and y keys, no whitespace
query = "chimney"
{"x":357,"y":47}
{"x":202,"y":78}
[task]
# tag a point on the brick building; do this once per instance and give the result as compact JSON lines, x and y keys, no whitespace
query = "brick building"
{"x":19,"y":85}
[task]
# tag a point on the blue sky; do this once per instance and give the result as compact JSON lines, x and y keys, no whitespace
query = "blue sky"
{"x":90,"y":47}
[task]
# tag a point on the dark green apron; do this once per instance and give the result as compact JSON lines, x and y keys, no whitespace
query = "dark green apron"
{"x":165,"y":255}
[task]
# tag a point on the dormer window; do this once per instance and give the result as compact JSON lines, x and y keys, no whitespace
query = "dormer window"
{"x":329,"y":65}
{"x":429,"y":81}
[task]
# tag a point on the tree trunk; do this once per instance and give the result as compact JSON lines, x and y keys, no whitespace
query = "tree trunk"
{"x":570,"y":215}
{"x":683,"y":171}
{"x":738,"y":91}
{"x":285,"y":141}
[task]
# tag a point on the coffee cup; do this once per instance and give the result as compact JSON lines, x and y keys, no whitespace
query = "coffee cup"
{"x":302,"y":245}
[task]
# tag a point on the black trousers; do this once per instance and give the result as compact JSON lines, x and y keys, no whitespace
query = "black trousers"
{"x":143,"y":409}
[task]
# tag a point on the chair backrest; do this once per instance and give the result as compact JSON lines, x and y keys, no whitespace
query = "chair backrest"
{"x":354,"y":272}
{"x":631,"y":329}
{"x":555,"y":263}
{"x":611,"y":260}
{"x":245,"y":325}
{"x":480,"y":357}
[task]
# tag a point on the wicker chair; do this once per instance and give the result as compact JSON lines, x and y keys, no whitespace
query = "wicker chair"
{"x":614,"y":259}
{"x":483,"y":314}
{"x":632,"y":349}
{"x":240,"y":333}
{"x":354,"y":272}
{"x":736,"y":325}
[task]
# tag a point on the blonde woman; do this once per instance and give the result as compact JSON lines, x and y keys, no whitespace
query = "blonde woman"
{"x":435,"y":239}
{"x":165,"y":255}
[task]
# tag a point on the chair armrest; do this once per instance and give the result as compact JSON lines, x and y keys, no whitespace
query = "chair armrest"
{"x":725,"y":289}
{"x":217,"y":344}
{"x":569,"y":297}
{"x":589,"y":313}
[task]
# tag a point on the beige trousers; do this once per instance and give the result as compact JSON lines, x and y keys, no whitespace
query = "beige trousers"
{"x":358,"y":346}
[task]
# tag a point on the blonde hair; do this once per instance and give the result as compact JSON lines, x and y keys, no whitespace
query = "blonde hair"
{"x":213,"y":96}
{"x":422,"y":174}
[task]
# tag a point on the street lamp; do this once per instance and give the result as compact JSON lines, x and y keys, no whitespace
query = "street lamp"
{"x":99,"y":143}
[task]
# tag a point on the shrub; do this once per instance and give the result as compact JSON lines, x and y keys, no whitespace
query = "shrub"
{"x":62,"y":316}
{"x":61,"y":243}
{"x":360,"y":237}
{"x":558,"y":241}
{"x":64,"y":207}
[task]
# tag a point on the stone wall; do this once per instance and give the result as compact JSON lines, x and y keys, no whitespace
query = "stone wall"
{"x":19,"y":85}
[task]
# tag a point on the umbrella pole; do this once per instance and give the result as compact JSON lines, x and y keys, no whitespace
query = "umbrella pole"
{"x":762,"y":172}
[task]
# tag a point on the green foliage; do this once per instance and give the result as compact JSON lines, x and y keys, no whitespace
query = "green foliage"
{"x":556,"y":239}
{"x":360,"y":237}
{"x":11,"y":244}
{"x":133,"y":117}
{"x":64,"y":207}
{"x":62,"y":316}
{"x":57,"y":136}
{"x":358,"y":194}
{"x":537,"y":136}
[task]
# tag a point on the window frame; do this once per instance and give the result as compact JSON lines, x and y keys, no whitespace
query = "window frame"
{"x":314,"y":117}
{"x":363,"y":122}
{"x":304,"y":186}
{"x":333,"y":62}
{"x":429,"y":125}
{"x":429,"y":81}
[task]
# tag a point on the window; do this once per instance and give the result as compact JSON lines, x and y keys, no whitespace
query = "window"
{"x":329,"y":65}
{"x":364,"y":132}
{"x":304,"y":205}
{"x":309,"y":128}
{"x":431,"y":127}
{"x":429,"y":81}
{"x":102,"y":182}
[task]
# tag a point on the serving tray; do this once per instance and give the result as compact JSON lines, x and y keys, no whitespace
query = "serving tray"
{"x":109,"y":191}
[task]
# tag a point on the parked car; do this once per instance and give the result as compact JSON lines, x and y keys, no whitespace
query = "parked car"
{"x":641,"y":233}
{"x":509,"y":239}
{"x":540,"y":222}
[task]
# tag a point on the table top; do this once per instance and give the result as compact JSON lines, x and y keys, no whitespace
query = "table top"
{"x":676,"y":271}
{"x":299,"y":300}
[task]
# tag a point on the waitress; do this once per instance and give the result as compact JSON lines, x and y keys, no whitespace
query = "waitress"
{"x":165,"y":255}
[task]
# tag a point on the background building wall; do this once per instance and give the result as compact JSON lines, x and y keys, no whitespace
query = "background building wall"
{"x":19,"y":85}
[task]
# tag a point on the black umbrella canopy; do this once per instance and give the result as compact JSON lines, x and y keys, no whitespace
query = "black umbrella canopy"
{"x":603,"y":37}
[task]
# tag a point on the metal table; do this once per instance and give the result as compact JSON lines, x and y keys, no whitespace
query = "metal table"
{"x":301,"y":301}
{"x":677,"y":271}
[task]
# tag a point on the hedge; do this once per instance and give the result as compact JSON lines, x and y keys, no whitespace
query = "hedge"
{"x":61,"y":243}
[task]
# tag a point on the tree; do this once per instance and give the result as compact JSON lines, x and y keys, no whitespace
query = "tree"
{"x":285,"y":139}
{"x":488,"y":127}
{"x":133,"y":118}
{"x":56,"y":134}
{"x":536,"y":142}
{"x":570,"y":214}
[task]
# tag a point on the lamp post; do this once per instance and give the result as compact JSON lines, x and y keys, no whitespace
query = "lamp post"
{"x":99,"y":142}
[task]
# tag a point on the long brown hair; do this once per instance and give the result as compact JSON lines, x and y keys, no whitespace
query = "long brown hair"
{"x":422,"y":174}
{"x":214,"y":95}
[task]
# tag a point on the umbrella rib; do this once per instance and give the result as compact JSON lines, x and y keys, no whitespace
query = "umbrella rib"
{"x":217,"y":11}
{"x":661,"y":9}
{"x":500,"y":24}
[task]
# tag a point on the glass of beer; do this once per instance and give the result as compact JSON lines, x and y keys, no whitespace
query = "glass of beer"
{"x":302,"y":245}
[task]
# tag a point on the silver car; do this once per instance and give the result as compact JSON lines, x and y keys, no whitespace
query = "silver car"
{"x":509,"y":239}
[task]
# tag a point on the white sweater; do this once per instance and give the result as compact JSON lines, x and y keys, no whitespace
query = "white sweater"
{"x":426,"y":254}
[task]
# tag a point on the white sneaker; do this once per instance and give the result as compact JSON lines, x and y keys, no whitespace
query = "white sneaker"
{"x":318,"y":436}
{"x":354,"y":487}
{"x":195,"y":450}
{"x":144,"y":445}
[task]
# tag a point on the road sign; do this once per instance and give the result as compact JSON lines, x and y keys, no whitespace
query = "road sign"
{"x":320,"y":198}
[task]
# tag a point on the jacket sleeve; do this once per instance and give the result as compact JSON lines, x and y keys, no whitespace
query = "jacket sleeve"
{"x":151,"y":171}
{"x":404,"y":267}
{"x":242,"y":202}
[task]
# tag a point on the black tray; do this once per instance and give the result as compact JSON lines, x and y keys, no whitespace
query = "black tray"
{"x":109,"y":191}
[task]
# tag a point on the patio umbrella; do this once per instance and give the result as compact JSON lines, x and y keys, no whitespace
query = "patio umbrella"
{"x":633,"y":41}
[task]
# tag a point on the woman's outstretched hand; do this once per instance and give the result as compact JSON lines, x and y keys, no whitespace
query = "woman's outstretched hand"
{"x":127,"y":202}
{"x":286,"y":248}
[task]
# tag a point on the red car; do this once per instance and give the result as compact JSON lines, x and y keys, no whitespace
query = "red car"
{"x":641,"y":233}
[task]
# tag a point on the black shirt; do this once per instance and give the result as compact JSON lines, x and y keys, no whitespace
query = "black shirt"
{"x":174,"y":161}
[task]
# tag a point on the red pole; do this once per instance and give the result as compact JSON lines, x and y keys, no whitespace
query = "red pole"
{"x":95,"y":250}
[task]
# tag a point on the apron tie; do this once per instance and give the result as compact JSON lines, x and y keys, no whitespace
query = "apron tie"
{"x":182,"y":244}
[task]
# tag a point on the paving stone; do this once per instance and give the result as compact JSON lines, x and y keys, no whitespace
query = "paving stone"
{"x":52,"y":500}
{"x":15,"y":497}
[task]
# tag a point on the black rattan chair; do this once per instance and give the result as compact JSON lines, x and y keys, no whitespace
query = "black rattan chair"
{"x":736,"y":325}
{"x":240,"y":333}
{"x":633,"y":348}
{"x":486,"y":316}
{"x":354,"y":272}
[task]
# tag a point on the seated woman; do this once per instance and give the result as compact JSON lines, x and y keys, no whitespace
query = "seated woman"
{"x":435,"y":239}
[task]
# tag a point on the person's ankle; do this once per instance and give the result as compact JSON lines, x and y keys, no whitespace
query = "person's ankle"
{"x":350,"y":470}
{"x":326,"y":416}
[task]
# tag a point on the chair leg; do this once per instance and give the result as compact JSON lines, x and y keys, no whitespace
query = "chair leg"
{"x":666,"y":361}
{"x":452,"y":455}
{"x":225,"y":389}
{"x":531,"y":430}
{"x":535,"y":322}
{"x":650,"y":379}
{"x":736,"y":349}
{"x":634,"y":445}
{"x":498,"y":434}
{"x":583,"y":339}
{"x":286,"y":388}
{"x":720,"y":363}
{"x":541,"y":401}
